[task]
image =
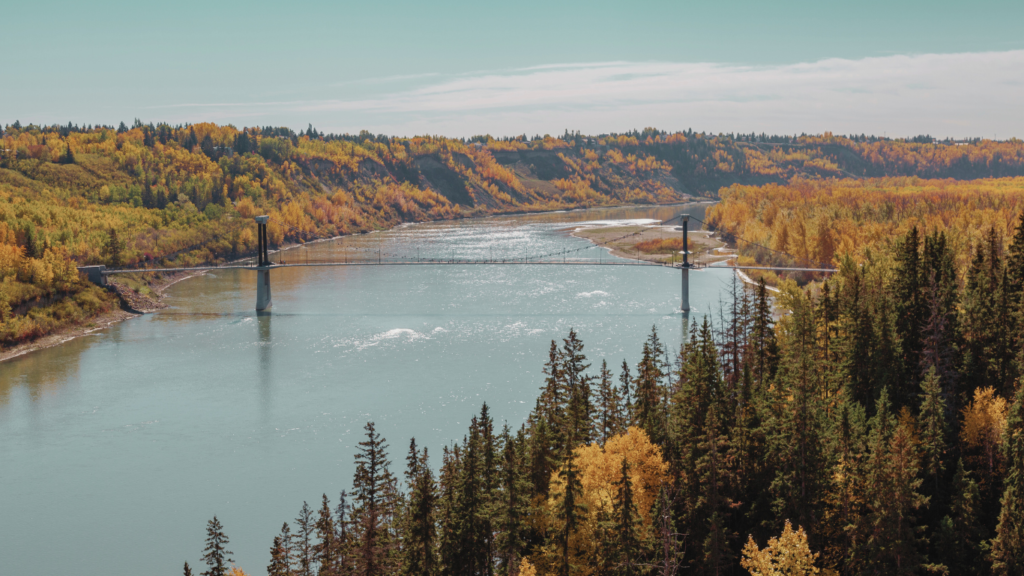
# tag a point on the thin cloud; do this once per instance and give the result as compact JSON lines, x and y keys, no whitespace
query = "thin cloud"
{"x":941,"y":94}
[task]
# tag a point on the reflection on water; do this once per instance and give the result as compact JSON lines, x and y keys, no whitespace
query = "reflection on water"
{"x":141,"y":433}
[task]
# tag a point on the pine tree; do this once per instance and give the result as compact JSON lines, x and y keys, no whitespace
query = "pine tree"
{"x":910,"y":305}
{"x":931,"y":430}
{"x":626,"y":542}
{"x":578,"y":424}
{"x":649,"y":406}
{"x":626,"y":392}
{"x":1008,"y":545}
{"x":609,"y":418}
{"x":242,"y":143}
{"x":514,"y":504}
{"x":569,"y":510}
{"x":216,"y":555}
{"x":325,"y":551}
{"x":280,"y":563}
{"x":959,"y":538}
{"x":372,"y":491}
{"x":69,"y":156}
{"x":304,"y":555}
{"x":420,"y":541}
{"x":207,"y":146}
{"x":188,"y":570}
{"x":343,"y":536}
{"x":762,"y":338}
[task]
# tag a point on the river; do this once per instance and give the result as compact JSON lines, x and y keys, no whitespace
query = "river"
{"x":116,"y":448}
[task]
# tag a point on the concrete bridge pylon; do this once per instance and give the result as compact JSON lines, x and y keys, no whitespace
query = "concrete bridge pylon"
{"x":263,"y":299}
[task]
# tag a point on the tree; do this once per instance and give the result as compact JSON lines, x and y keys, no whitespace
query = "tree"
{"x":216,"y":555}
{"x":610,"y":421}
{"x":207,"y":146}
{"x":514,"y":503}
{"x":419,"y":556}
{"x":304,"y":555}
{"x":371,"y":490}
{"x":931,"y":425}
{"x":786,"y":555}
{"x":1008,"y":546}
{"x":69,"y":156}
{"x":242,"y":143}
{"x":280,"y":563}
{"x":188,"y":570}
{"x":626,"y":537}
{"x":578,"y":425}
{"x":114,"y":249}
{"x":569,"y":510}
{"x":959,"y":537}
{"x":325,"y":551}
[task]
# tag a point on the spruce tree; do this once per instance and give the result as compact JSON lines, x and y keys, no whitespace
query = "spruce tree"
{"x":372,"y":489}
{"x":762,"y":338}
{"x":609,"y":417}
{"x":280,"y":564}
{"x":579,"y":409}
{"x":420,"y":541}
{"x":569,"y":510}
{"x":216,"y":555}
{"x":1008,"y":545}
{"x":514,"y":504}
{"x":325,"y":551}
{"x":960,"y":535}
{"x":931,"y":425}
{"x":626,"y":392}
{"x":626,"y":544}
{"x":242,"y":144}
{"x":304,"y":555}
{"x":188,"y":570}
{"x":910,"y":305}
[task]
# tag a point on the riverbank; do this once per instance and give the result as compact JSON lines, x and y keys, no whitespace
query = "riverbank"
{"x":653,"y":243}
{"x":132,"y":304}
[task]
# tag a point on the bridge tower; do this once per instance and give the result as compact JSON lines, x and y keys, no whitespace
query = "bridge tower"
{"x":263,"y":265}
{"x":685,"y":304}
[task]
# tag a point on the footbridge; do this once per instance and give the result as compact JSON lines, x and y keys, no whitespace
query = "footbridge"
{"x":262,"y":263}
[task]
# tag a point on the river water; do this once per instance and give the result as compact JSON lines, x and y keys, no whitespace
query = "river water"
{"x":116,"y":448}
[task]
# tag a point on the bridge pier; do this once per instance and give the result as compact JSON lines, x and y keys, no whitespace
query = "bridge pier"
{"x":263,"y":299}
{"x":685,"y":304}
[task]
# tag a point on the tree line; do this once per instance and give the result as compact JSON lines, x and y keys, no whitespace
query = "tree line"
{"x":872,"y":423}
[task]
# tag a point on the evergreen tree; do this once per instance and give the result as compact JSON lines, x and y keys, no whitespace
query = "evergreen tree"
{"x":649,"y":407}
{"x":280,"y":563}
{"x":626,"y":545}
{"x":762,"y":338}
{"x":114,"y":249}
{"x":188,"y":570}
{"x":69,"y":156}
{"x":242,"y":143}
{"x":1008,"y":545}
{"x":578,"y":424}
{"x":569,"y":510}
{"x":325,"y":551}
{"x":910,"y":304}
{"x":372,"y":491}
{"x":959,"y":538}
{"x":420,"y":541}
{"x":343,"y":536}
{"x":931,"y":430}
{"x":626,"y":392}
{"x":609,"y":418}
{"x":304,"y":553}
{"x":207,"y":146}
{"x":216,"y":555}
{"x":514,"y":504}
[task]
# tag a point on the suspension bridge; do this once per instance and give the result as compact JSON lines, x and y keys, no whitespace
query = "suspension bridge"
{"x":262,"y":263}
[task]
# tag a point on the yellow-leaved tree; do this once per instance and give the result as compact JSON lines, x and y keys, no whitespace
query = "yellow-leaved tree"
{"x":599,"y":469}
{"x":787,"y":555}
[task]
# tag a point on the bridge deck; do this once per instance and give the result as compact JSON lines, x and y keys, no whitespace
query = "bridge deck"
{"x":461,"y":263}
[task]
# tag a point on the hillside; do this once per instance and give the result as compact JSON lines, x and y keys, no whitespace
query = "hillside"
{"x":161,"y":195}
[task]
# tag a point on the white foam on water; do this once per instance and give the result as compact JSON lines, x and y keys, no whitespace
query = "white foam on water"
{"x":591,"y":294}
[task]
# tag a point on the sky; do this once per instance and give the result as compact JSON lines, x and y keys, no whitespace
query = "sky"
{"x":460,"y":68}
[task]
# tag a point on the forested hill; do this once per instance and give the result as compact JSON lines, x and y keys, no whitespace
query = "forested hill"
{"x":189,"y":190}
{"x":163,"y":195}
